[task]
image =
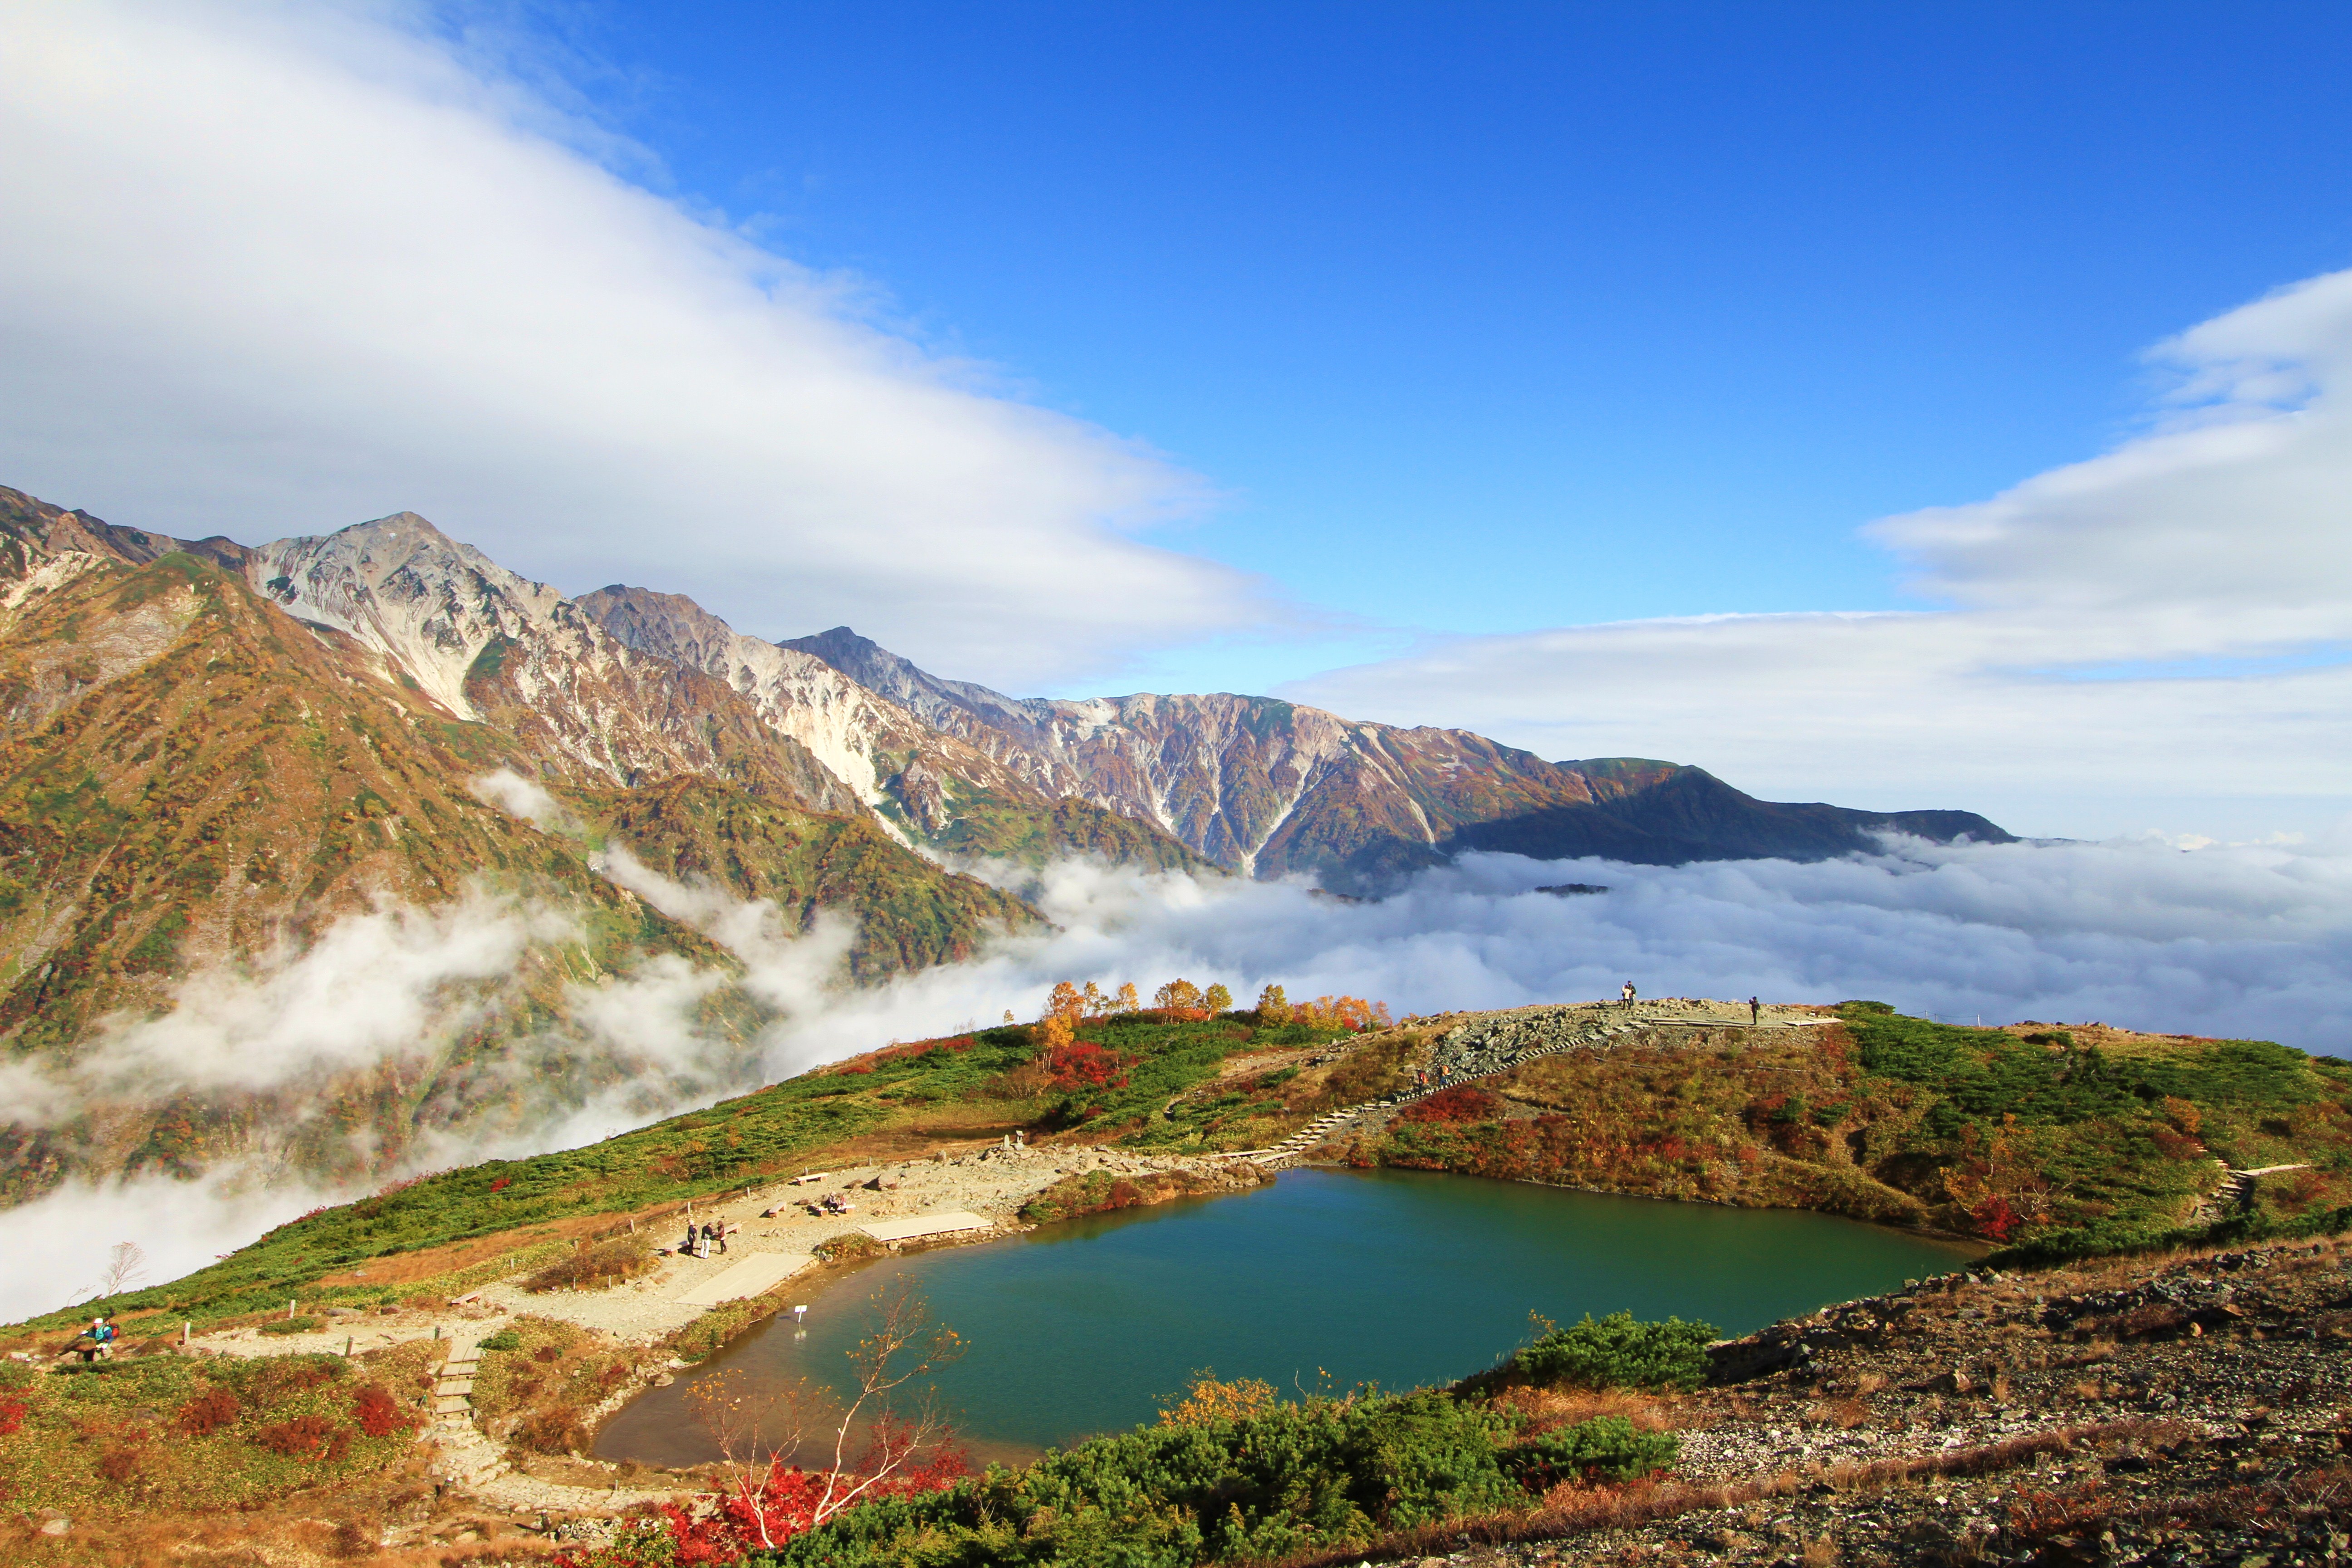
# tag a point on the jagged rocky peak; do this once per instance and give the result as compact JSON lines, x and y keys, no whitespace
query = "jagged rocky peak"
{"x":934,"y":699}
{"x":428,"y":602}
{"x":667,"y":625}
{"x":850,"y":727}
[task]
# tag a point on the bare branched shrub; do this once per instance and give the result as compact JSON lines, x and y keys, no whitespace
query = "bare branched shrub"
{"x":760,"y":1431}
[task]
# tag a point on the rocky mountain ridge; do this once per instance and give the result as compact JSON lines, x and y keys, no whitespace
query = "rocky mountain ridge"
{"x":1270,"y":788}
{"x":196,"y":782}
{"x":214,"y":752}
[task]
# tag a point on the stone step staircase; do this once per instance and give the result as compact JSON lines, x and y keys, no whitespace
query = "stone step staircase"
{"x":2236,"y":1189}
{"x":467,"y":1456}
{"x":453,"y":1391}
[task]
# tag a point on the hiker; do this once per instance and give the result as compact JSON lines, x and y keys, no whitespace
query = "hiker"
{"x":686,"y":1247}
{"x":702,"y":1242}
{"x":1626,"y":996}
{"x":1754,"y":1011}
{"x":105,"y":1335}
{"x":718,"y":1234}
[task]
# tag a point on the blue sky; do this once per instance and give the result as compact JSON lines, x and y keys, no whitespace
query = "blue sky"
{"x":1485,"y":317}
{"x":1903,"y":405}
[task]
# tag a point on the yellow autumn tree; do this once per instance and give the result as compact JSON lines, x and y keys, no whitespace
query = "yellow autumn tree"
{"x":1273,"y":1007}
{"x":1177,"y":993}
{"x":1217,"y":999}
{"x":1209,"y":1399}
{"x":1126,"y":1001}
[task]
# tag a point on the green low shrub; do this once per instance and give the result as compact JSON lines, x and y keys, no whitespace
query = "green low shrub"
{"x":504,"y":1339}
{"x":1619,"y":1351}
{"x":1605,"y":1448}
{"x":2075,"y":1243}
{"x":1293,"y":1479}
{"x":302,"y":1325}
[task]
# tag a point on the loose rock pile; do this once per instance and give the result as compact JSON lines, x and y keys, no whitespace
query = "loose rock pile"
{"x":2163,"y":1412}
{"x":1495,"y":1043}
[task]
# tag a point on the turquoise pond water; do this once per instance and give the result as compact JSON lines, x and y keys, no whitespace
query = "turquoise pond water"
{"x":1332,"y":1278}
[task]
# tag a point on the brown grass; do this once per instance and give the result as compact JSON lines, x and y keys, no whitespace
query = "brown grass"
{"x":2043,"y":1518}
{"x":1570,"y":1508}
{"x":1547,"y":1408}
{"x":1844,"y":1414}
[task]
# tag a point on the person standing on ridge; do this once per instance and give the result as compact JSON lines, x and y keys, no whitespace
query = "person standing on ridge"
{"x":1626,"y":996}
{"x":1754,"y":1011}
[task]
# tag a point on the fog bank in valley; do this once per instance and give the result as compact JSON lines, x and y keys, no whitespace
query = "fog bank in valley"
{"x":2252,"y":940}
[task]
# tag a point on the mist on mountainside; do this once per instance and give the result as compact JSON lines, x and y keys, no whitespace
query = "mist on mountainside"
{"x":235,"y":773}
{"x":2226,"y":941}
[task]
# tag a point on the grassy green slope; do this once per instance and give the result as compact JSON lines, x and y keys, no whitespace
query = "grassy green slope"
{"x":2008,"y":1134}
{"x":200,"y":780}
{"x":901,"y":1099}
{"x":191,"y":779}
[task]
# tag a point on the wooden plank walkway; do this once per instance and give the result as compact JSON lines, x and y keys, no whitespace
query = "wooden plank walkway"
{"x":761,"y":1272}
{"x":926,"y":1225}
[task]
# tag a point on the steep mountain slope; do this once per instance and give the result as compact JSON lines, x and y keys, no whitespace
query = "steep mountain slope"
{"x":1271,"y":788}
{"x":216,"y":757}
{"x":193,"y":782}
{"x":940,"y":791}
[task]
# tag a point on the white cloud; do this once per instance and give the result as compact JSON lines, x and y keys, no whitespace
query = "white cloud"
{"x":2146,"y":638}
{"x":375,"y":987}
{"x":180,"y":1225}
{"x":271,"y":269}
{"x":2228,"y":940}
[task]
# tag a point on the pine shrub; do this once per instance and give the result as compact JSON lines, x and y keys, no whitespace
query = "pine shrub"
{"x":1619,"y":1351}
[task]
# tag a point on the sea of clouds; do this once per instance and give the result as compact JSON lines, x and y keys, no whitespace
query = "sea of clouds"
{"x":2241,"y":940}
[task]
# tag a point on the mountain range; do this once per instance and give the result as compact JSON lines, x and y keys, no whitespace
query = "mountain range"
{"x":214,"y":752}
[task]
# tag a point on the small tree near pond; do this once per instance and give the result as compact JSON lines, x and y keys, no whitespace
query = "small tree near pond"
{"x":880,"y":1443}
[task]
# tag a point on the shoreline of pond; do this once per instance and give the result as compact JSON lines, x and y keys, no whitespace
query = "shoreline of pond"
{"x":813,"y":1287}
{"x":829,"y":1273}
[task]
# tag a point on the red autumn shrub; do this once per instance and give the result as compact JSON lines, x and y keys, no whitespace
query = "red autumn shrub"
{"x":1462,"y":1103}
{"x":1085,"y":1065}
{"x":766,"y":1510}
{"x":378,"y":1413}
{"x":119,"y":1465}
{"x":208,"y":1412}
{"x":12,"y":1415}
{"x":303,"y":1438}
{"x":919,"y":1049}
{"x":1994,"y":1217}
{"x":502,"y":1183}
